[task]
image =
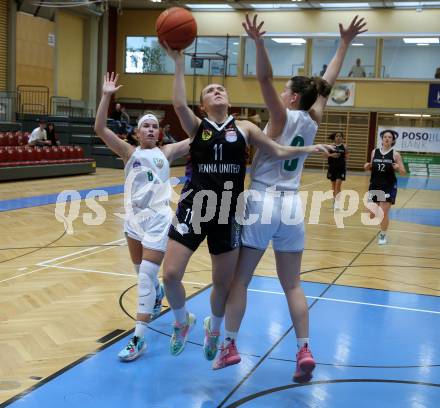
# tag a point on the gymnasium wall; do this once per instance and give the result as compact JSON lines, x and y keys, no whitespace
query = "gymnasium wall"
{"x":70,"y":55}
{"x":3,"y":44}
{"x":370,"y":93}
{"x":34,"y":55}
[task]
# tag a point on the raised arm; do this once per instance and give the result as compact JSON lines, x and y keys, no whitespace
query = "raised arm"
{"x":189,"y":121}
{"x":334,"y":67}
{"x":277,"y":110}
{"x":118,"y":146}
{"x":258,"y":139}
{"x":173,"y":151}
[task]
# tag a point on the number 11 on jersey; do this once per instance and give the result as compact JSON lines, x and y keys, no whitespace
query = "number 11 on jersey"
{"x":218,"y":151}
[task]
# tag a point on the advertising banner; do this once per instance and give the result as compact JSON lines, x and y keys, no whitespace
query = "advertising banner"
{"x":412,"y":139}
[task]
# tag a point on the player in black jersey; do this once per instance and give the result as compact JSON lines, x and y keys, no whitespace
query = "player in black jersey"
{"x":383,"y":182}
{"x":208,"y":203}
{"x":337,"y":165}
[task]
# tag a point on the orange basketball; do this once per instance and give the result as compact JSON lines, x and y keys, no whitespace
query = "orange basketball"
{"x":177,"y":27}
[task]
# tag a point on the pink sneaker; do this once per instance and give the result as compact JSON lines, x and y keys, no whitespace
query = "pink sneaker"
{"x":228,"y":356}
{"x":305,"y":364}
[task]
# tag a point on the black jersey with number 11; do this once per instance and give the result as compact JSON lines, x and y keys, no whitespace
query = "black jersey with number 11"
{"x":218,"y":155}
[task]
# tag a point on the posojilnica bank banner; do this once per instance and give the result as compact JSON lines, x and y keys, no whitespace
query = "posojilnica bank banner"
{"x":412,"y":139}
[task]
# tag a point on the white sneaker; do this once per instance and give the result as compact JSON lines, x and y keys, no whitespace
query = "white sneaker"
{"x":382,"y":239}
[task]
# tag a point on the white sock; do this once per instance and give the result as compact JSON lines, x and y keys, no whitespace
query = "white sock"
{"x":180,"y":315}
{"x":141,"y":328}
{"x":146,"y":290}
{"x":302,"y":341}
{"x":136,"y":268}
{"x":216,"y":322}
{"x":230,"y":336}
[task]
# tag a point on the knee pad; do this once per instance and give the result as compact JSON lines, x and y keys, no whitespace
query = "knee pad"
{"x":146,"y":287}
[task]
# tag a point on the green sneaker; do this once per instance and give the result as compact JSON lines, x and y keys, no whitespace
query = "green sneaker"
{"x":211,"y":340}
{"x":180,"y":335}
{"x":134,"y":349}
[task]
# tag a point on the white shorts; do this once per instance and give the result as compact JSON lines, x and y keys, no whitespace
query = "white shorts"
{"x":280,"y":220}
{"x":151,"y":231}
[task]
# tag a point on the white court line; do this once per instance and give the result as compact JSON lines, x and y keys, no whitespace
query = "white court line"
{"x":312,"y":184}
{"x":335,"y":240}
{"x":80,"y":252}
{"x":195,"y":283}
{"x":353,"y":302}
{"x":78,"y":257}
{"x":131,"y":275}
{"x":23,"y":274}
{"x":45,"y":266}
{"x":375,"y":228}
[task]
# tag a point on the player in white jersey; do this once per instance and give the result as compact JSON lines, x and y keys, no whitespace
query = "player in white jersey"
{"x":295,"y":114}
{"x":146,"y":200}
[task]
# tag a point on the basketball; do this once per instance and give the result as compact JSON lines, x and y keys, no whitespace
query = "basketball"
{"x":177,"y":27}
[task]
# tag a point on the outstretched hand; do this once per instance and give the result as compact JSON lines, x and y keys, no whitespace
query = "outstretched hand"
{"x":252,"y":29}
{"x":355,"y":28}
{"x":320,"y":148}
{"x":175,"y":55}
{"x":109,"y":86}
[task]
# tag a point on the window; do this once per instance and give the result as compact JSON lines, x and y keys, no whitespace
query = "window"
{"x":145,"y":55}
{"x":286,"y":55}
{"x":401,"y":60}
{"x":359,"y":60}
{"x":211,"y":56}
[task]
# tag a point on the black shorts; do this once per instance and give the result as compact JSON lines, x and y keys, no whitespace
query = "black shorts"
{"x":336,"y":173}
{"x":222,"y":236}
{"x":389,"y":194}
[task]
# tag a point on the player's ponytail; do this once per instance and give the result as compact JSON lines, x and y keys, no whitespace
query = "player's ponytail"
{"x":324,"y":88}
{"x":309,"y":89}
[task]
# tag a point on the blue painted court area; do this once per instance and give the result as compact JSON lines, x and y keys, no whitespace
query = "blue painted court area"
{"x":424,"y":216}
{"x":67,"y":195}
{"x":373,"y":349}
{"x":419,"y":183}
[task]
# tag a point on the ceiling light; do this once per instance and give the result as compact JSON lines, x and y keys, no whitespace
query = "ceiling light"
{"x":423,"y":45}
{"x":407,"y":4}
{"x":357,"y":44}
{"x":209,"y":6}
{"x":412,"y":115}
{"x":272,"y":6}
{"x":344,"y":5}
{"x":280,"y":40}
{"x":429,"y":40}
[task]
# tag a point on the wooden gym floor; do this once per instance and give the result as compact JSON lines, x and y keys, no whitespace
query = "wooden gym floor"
{"x":61,"y":294}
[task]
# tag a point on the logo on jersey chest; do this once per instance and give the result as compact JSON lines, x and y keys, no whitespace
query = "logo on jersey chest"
{"x":206,"y":134}
{"x":158,"y":162}
{"x":137,"y":165}
{"x":231,"y":135}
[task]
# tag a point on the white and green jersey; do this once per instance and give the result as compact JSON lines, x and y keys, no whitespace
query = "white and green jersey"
{"x":147,"y":174}
{"x":299,"y":130}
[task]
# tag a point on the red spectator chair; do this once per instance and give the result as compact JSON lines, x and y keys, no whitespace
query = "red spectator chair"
{"x":11,"y":155}
{"x":22,"y":140}
{"x":3,"y":141}
{"x":3,"y":154}
{"x":79,"y":152}
{"x":38,"y":154}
